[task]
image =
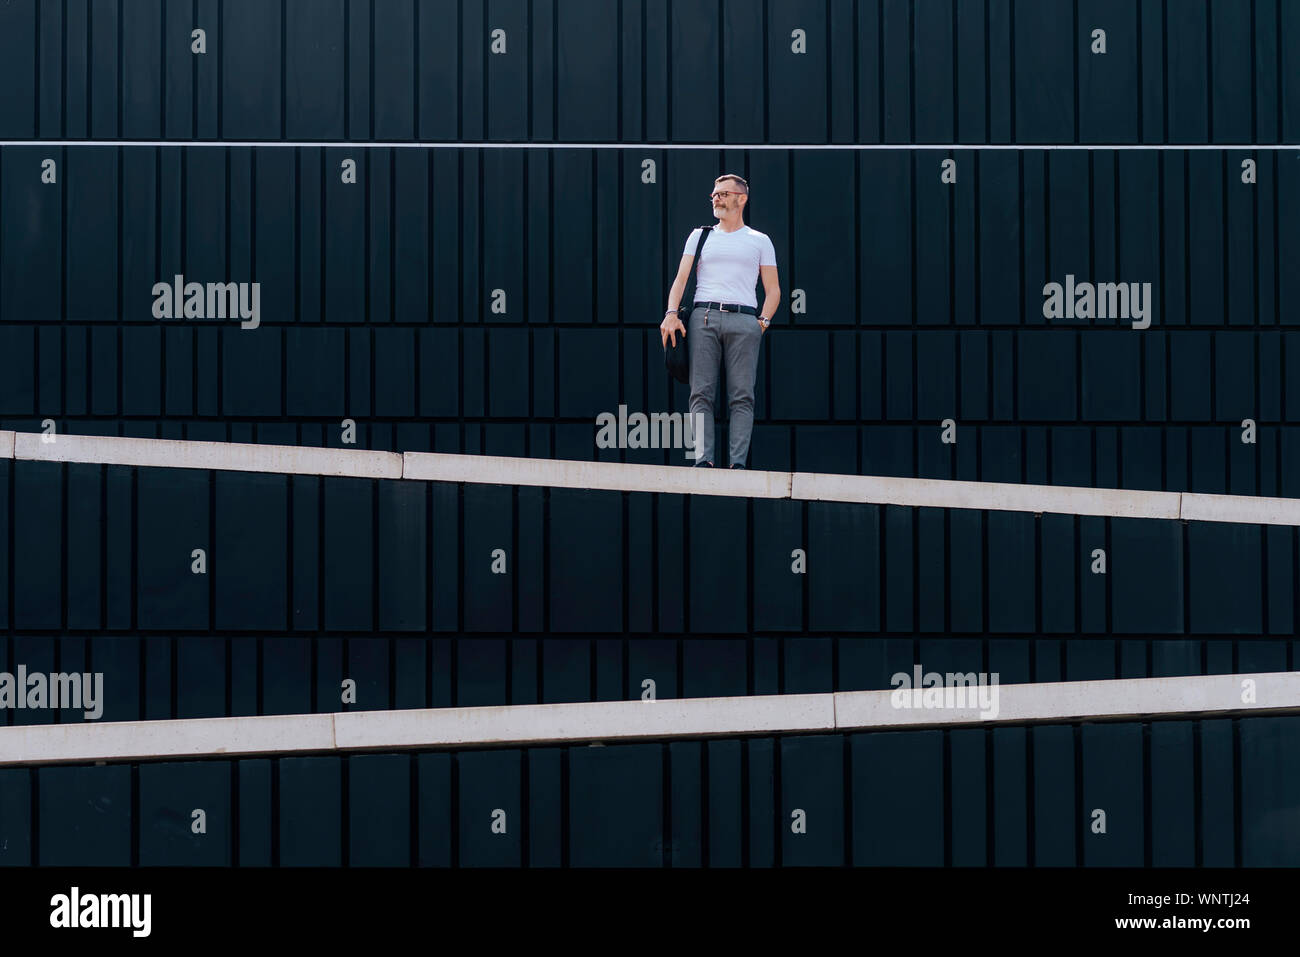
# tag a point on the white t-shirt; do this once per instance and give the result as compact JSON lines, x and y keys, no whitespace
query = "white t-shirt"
{"x":728,"y":266}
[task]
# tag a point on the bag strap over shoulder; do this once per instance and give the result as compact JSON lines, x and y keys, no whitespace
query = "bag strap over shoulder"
{"x":695,"y":264}
{"x":704,"y":234}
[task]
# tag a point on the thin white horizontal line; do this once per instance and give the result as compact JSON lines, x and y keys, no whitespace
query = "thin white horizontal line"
{"x":667,"y":479}
{"x":607,"y":721}
{"x":390,"y":145}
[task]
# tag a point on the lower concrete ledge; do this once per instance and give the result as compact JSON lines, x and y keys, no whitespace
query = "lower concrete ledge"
{"x":1203,"y":696}
{"x":612,"y":721}
{"x":584,"y":721}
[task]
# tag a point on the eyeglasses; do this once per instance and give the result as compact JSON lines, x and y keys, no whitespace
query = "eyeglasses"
{"x":725,"y":193}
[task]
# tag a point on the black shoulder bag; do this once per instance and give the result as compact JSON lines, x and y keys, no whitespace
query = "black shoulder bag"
{"x":676,"y":357}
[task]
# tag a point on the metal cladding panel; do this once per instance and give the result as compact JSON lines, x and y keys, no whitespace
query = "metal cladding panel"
{"x":38,"y":596}
{"x":379,"y":810}
{"x":1113,"y":795}
{"x":897,"y":816}
{"x":616,"y":806}
{"x":1270,"y":794}
{"x":176,"y":557}
{"x":85,"y":816}
{"x":310,"y":812}
{"x":16,"y":817}
{"x":185,"y":814}
{"x":490,"y":809}
{"x":811,"y":815}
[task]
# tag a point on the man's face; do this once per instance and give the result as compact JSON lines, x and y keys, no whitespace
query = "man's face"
{"x":727,"y":197}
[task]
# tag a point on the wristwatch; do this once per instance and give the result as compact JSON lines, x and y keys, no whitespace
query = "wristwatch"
{"x":764,"y":322}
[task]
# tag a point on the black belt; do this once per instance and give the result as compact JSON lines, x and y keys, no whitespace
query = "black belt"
{"x":728,"y":307}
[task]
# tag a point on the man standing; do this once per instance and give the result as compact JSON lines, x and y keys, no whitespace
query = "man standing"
{"x":725,"y":322}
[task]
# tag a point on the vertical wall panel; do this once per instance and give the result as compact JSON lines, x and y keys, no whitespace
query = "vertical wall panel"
{"x":170,"y":794}
{"x":1108,"y":110}
{"x":249,"y":558}
{"x":251,"y":94}
{"x":379,"y":807}
{"x":15,"y":817}
{"x":1270,"y":793}
{"x":310,"y":812}
{"x":1044,"y":55}
{"x":616,"y":813}
{"x":18,"y":75}
{"x":1173,"y":819}
{"x":895,"y":825}
{"x":1112,"y":784}
{"x":719,"y":583}
{"x":349,"y":554}
{"x":851,"y":534}
{"x":85,"y":816}
{"x":812,"y":801}
{"x":585,"y":568}
{"x":172,"y":522}
{"x":38,"y":598}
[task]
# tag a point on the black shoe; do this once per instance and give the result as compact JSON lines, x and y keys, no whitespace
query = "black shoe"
{"x":704,"y":465}
{"x":737,"y":465}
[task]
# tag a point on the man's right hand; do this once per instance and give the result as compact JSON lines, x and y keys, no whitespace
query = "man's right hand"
{"x":669,"y":328}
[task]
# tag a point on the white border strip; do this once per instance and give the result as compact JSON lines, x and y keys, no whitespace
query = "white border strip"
{"x":615,"y":476}
{"x":533,"y":725}
{"x":630,"y":477}
{"x":711,"y":147}
{"x":226,"y":456}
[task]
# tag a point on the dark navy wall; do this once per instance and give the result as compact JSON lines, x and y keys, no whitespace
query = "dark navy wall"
{"x":712,"y":71}
{"x":313,"y":580}
{"x":1213,"y":793}
{"x":923,"y":303}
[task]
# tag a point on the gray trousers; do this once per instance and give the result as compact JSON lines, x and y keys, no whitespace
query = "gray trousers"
{"x":716,"y":337}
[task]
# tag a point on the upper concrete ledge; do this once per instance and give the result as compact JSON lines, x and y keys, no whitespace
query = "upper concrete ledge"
{"x":177,"y":738}
{"x":226,"y":456}
{"x":997,"y":496}
{"x":615,"y":476}
{"x":628,"y":477}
